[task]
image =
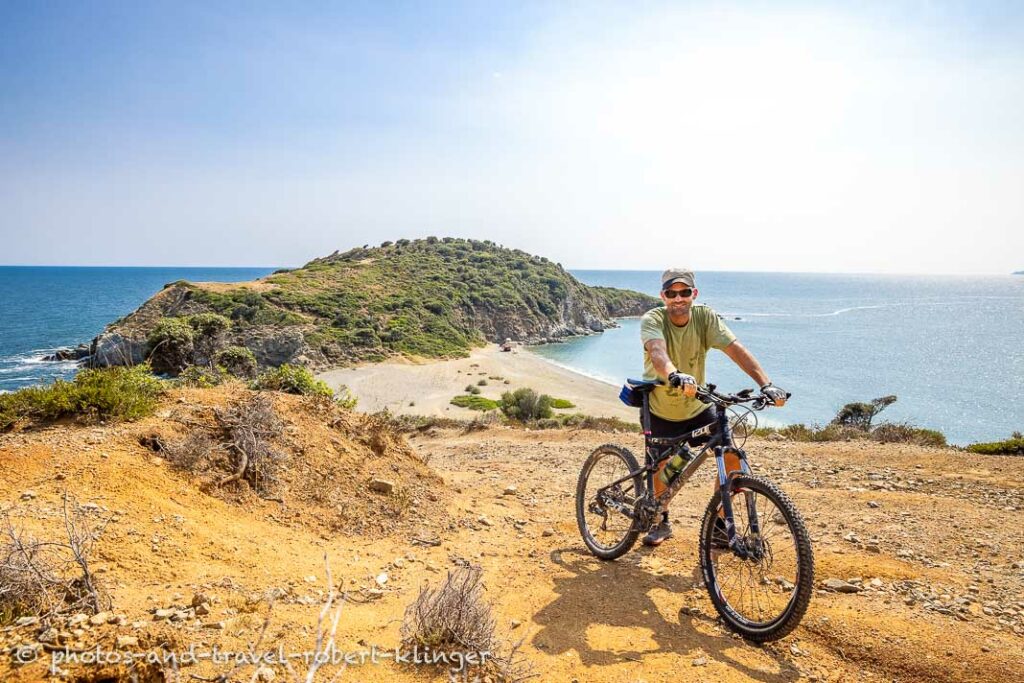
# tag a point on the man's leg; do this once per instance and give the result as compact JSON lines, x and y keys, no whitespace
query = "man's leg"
{"x":660,"y":428}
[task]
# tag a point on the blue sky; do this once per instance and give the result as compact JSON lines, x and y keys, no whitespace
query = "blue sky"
{"x":735,"y":136}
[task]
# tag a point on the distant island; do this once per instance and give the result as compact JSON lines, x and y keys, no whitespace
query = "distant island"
{"x":1019,"y":272}
{"x":433,"y":298}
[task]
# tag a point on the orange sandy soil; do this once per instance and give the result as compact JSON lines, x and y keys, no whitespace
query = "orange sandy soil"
{"x":950,"y":607}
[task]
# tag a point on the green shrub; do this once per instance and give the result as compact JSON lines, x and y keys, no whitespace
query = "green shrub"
{"x":474,"y":402}
{"x":171,"y":346}
{"x":292,"y":379}
{"x":238,"y":361}
{"x":107,"y":393}
{"x":562,"y":403}
{"x":860,"y":415}
{"x":889,"y":432}
{"x":346,"y":399}
{"x":210,"y":332}
{"x":525,"y":405}
{"x":1012,"y":446}
{"x":203,"y":376}
{"x":582,"y":421}
{"x":482,"y":383}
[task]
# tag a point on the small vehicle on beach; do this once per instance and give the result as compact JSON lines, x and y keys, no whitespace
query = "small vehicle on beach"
{"x":755,"y":552}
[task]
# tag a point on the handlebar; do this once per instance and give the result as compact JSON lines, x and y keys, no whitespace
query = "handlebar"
{"x":709,"y":394}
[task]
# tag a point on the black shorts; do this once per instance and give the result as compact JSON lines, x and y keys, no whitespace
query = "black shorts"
{"x":666,"y":429}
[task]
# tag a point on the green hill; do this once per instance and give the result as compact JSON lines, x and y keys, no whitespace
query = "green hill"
{"x":431,"y":298}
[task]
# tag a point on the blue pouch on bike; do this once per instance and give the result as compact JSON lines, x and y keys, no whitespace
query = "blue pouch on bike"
{"x":633,"y":399}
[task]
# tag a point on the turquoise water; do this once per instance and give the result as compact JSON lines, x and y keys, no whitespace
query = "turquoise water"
{"x":45,"y":308}
{"x":951,"y":348}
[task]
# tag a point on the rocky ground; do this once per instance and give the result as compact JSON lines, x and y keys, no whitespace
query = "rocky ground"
{"x":920,"y":557}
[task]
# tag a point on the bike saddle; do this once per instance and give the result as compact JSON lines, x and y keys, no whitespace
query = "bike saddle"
{"x":642,"y":384}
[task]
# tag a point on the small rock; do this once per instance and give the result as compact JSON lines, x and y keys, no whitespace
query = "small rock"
{"x":700,"y":661}
{"x":163,"y":614}
{"x":547,"y":532}
{"x":382,"y":486}
{"x":26,"y":621}
{"x":516,"y":623}
{"x":100,"y":618}
{"x":215,"y":625}
{"x":265,"y":674}
{"x":77,"y":619}
{"x":509,"y":491}
{"x":127,"y":641}
{"x":840,"y":586}
{"x":382,"y":578}
{"x":202,"y":609}
{"x":48,"y":636}
{"x":199,"y":599}
{"x":310,"y":579}
{"x":873,"y":504}
{"x":483,"y":520}
{"x":398,"y":562}
{"x":28,"y":495}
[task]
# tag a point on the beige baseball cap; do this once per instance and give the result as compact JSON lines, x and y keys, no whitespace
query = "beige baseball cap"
{"x":674,"y":275}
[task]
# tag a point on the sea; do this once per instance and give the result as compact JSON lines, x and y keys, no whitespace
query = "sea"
{"x":951,"y":348}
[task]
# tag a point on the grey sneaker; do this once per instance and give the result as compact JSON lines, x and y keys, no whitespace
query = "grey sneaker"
{"x":658,"y":534}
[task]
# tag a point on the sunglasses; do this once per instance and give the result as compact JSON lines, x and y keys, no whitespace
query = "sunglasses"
{"x":673,"y":293}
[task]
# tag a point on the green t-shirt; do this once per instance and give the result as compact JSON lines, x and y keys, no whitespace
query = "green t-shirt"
{"x":687,"y":347}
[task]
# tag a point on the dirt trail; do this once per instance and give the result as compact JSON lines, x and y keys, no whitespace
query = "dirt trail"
{"x":941,"y":531}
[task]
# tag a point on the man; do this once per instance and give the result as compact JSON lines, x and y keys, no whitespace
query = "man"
{"x":676,"y":340}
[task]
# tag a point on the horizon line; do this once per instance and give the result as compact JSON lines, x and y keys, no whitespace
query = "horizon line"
{"x":635,"y":270}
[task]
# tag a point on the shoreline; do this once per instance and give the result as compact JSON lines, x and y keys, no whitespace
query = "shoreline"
{"x":425,"y":388}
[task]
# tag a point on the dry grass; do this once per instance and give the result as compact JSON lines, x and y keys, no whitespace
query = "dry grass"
{"x":250,"y":425}
{"x":456,"y":618}
{"x":45,"y":578}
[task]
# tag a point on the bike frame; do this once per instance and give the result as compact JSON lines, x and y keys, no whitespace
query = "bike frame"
{"x":657,"y":449}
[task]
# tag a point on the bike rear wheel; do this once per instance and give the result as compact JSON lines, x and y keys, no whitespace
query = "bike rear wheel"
{"x":764,"y":596}
{"x":607,"y":532}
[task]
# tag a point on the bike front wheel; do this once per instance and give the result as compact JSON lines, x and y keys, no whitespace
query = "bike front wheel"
{"x":762,"y":587}
{"x":601,"y":505}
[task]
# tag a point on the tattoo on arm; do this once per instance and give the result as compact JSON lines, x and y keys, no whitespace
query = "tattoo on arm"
{"x":658,"y":352}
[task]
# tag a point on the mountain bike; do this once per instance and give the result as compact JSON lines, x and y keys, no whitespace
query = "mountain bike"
{"x":755,"y":552}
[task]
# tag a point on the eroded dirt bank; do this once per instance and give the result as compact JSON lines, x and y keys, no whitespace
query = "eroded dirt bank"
{"x":932,"y":538}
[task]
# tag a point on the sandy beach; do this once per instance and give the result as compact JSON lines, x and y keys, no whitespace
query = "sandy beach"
{"x":426,"y":388}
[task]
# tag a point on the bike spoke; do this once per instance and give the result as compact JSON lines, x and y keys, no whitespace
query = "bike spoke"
{"x":760,"y":587}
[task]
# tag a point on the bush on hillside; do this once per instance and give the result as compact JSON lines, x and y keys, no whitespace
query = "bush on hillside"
{"x":117,"y":393}
{"x":860,"y":415}
{"x":171,"y":346}
{"x":525,"y":405}
{"x":203,"y":376}
{"x":238,"y":361}
{"x":293,"y":379}
{"x":1012,"y":446}
{"x":210,"y":334}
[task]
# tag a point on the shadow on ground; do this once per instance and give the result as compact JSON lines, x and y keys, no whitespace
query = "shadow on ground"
{"x":607,"y":596}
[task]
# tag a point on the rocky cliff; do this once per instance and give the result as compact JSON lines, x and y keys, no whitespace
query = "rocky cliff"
{"x":429,"y":298}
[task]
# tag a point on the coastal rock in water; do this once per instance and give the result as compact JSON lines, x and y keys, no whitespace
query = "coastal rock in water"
{"x":60,"y":355}
{"x":114,"y":348}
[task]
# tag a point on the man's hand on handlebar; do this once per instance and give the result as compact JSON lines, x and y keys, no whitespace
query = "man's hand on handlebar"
{"x":774,"y":394}
{"x":684,"y":381}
